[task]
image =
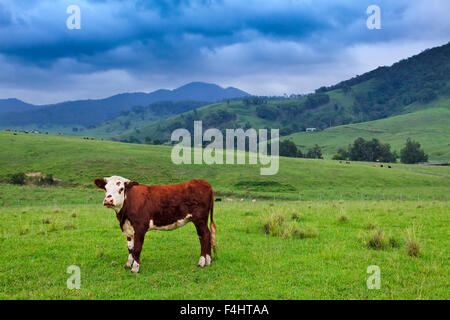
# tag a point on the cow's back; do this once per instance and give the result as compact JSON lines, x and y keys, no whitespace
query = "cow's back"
{"x":165,"y":204}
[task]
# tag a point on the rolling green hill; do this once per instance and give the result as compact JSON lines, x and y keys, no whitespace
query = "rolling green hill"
{"x":413,"y":84}
{"x":431,"y":127}
{"x":76,"y":162}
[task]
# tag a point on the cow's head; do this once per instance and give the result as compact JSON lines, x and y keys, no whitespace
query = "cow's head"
{"x":115,"y":188}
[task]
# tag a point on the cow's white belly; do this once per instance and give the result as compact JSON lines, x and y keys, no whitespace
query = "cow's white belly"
{"x":177,"y":224}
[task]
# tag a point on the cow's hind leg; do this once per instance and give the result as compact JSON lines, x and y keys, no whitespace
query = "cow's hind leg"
{"x":204,"y":236}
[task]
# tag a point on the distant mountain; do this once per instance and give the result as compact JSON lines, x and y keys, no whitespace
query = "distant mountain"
{"x":14,"y":105}
{"x":92,"y":112}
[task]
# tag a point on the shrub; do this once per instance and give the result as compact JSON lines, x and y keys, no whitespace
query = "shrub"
{"x":17,"y":178}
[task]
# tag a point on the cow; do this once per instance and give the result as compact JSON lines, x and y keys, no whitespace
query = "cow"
{"x":140,"y":208}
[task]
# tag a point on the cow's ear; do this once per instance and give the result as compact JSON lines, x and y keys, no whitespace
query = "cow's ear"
{"x":130,"y":184}
{"x":100,"y":182}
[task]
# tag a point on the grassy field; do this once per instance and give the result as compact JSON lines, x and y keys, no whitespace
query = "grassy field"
{"x":277,"y":248}
{"x":430,"y":127}
{"x":77,"y":162}
{"x":39,"y":243}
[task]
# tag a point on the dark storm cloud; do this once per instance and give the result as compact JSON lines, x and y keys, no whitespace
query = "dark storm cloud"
{"x":151,"y":44}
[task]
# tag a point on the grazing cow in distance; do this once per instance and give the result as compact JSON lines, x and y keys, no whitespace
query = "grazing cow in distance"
{"x":254,"y":200}
{"x":140,"y":208}
{"x":218,"y":200}
{"x":228,"y":200}
{"x":389,"y":167}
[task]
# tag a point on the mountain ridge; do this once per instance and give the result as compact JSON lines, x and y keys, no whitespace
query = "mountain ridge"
{"x":88,"y":112}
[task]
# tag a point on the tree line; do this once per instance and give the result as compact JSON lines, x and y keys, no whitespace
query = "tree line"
{"x":361,"y":150}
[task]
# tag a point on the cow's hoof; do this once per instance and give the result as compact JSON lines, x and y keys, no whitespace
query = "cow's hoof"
{"x":208,"y":260}
{"x":135,"y":267}
{"x":201,"y":262}
{"x":129,"y":262}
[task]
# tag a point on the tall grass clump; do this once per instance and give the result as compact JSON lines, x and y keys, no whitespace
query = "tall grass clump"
{"x":377,"y":240}
{"x":276,"y":225}
{"x":413,"y":245}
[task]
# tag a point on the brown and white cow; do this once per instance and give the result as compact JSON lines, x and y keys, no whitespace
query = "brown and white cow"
{"x":140,"y":208}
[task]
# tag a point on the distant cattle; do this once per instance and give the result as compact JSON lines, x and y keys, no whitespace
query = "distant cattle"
{"x":228,"y":200}
{"x":389,"y":167}
{"x":381,"y":166}
{"x":218,"y":200}
{"x":140,"y":208}
{"x":347,"y":162}
{"x":374,"y":165}
{"x":242,"y":200}
{"x":254,"y":200}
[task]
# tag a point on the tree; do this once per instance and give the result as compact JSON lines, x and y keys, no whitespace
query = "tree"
{"x":412,"y":153}
{"x":314,"y":152}
{"x":289,"y":149}
{"x":371,"y":150}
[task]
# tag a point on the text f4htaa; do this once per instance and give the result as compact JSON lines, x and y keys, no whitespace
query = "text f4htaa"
{"x":244,"y":309}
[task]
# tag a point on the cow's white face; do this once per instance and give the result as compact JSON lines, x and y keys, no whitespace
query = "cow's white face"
{"x":115,"y":191}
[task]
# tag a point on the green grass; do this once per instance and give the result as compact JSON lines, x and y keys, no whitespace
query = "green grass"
{"x":314,"y":253}
{"x":430,"y":127}
{"x":251,"y":264}
{"x":78,"y":162}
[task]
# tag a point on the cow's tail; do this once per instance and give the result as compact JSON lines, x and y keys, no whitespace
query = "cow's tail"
{"x":212,"y":225}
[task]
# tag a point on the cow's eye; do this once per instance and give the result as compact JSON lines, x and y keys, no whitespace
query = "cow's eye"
{"x":120,"y":190}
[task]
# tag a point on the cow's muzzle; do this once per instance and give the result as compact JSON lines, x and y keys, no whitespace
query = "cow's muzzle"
{"x":108,"y":203}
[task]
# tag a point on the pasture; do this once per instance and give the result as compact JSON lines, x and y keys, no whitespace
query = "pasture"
{"x":330,"y":262}
{"x":300,"y":240}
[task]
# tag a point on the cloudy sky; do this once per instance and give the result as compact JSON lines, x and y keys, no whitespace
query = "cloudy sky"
{"x":265,"y":47}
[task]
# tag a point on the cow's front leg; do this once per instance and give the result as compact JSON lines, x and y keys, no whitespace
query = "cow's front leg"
{"x":136,"y":251}
{"x":130,"y":244}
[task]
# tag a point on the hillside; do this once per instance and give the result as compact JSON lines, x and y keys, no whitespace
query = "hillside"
{"x":76,"y":162}
{"x":431,"y":127}
{"x":130,"y":120}
{"x":85,"y":113}
{"x":409,"y":85}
